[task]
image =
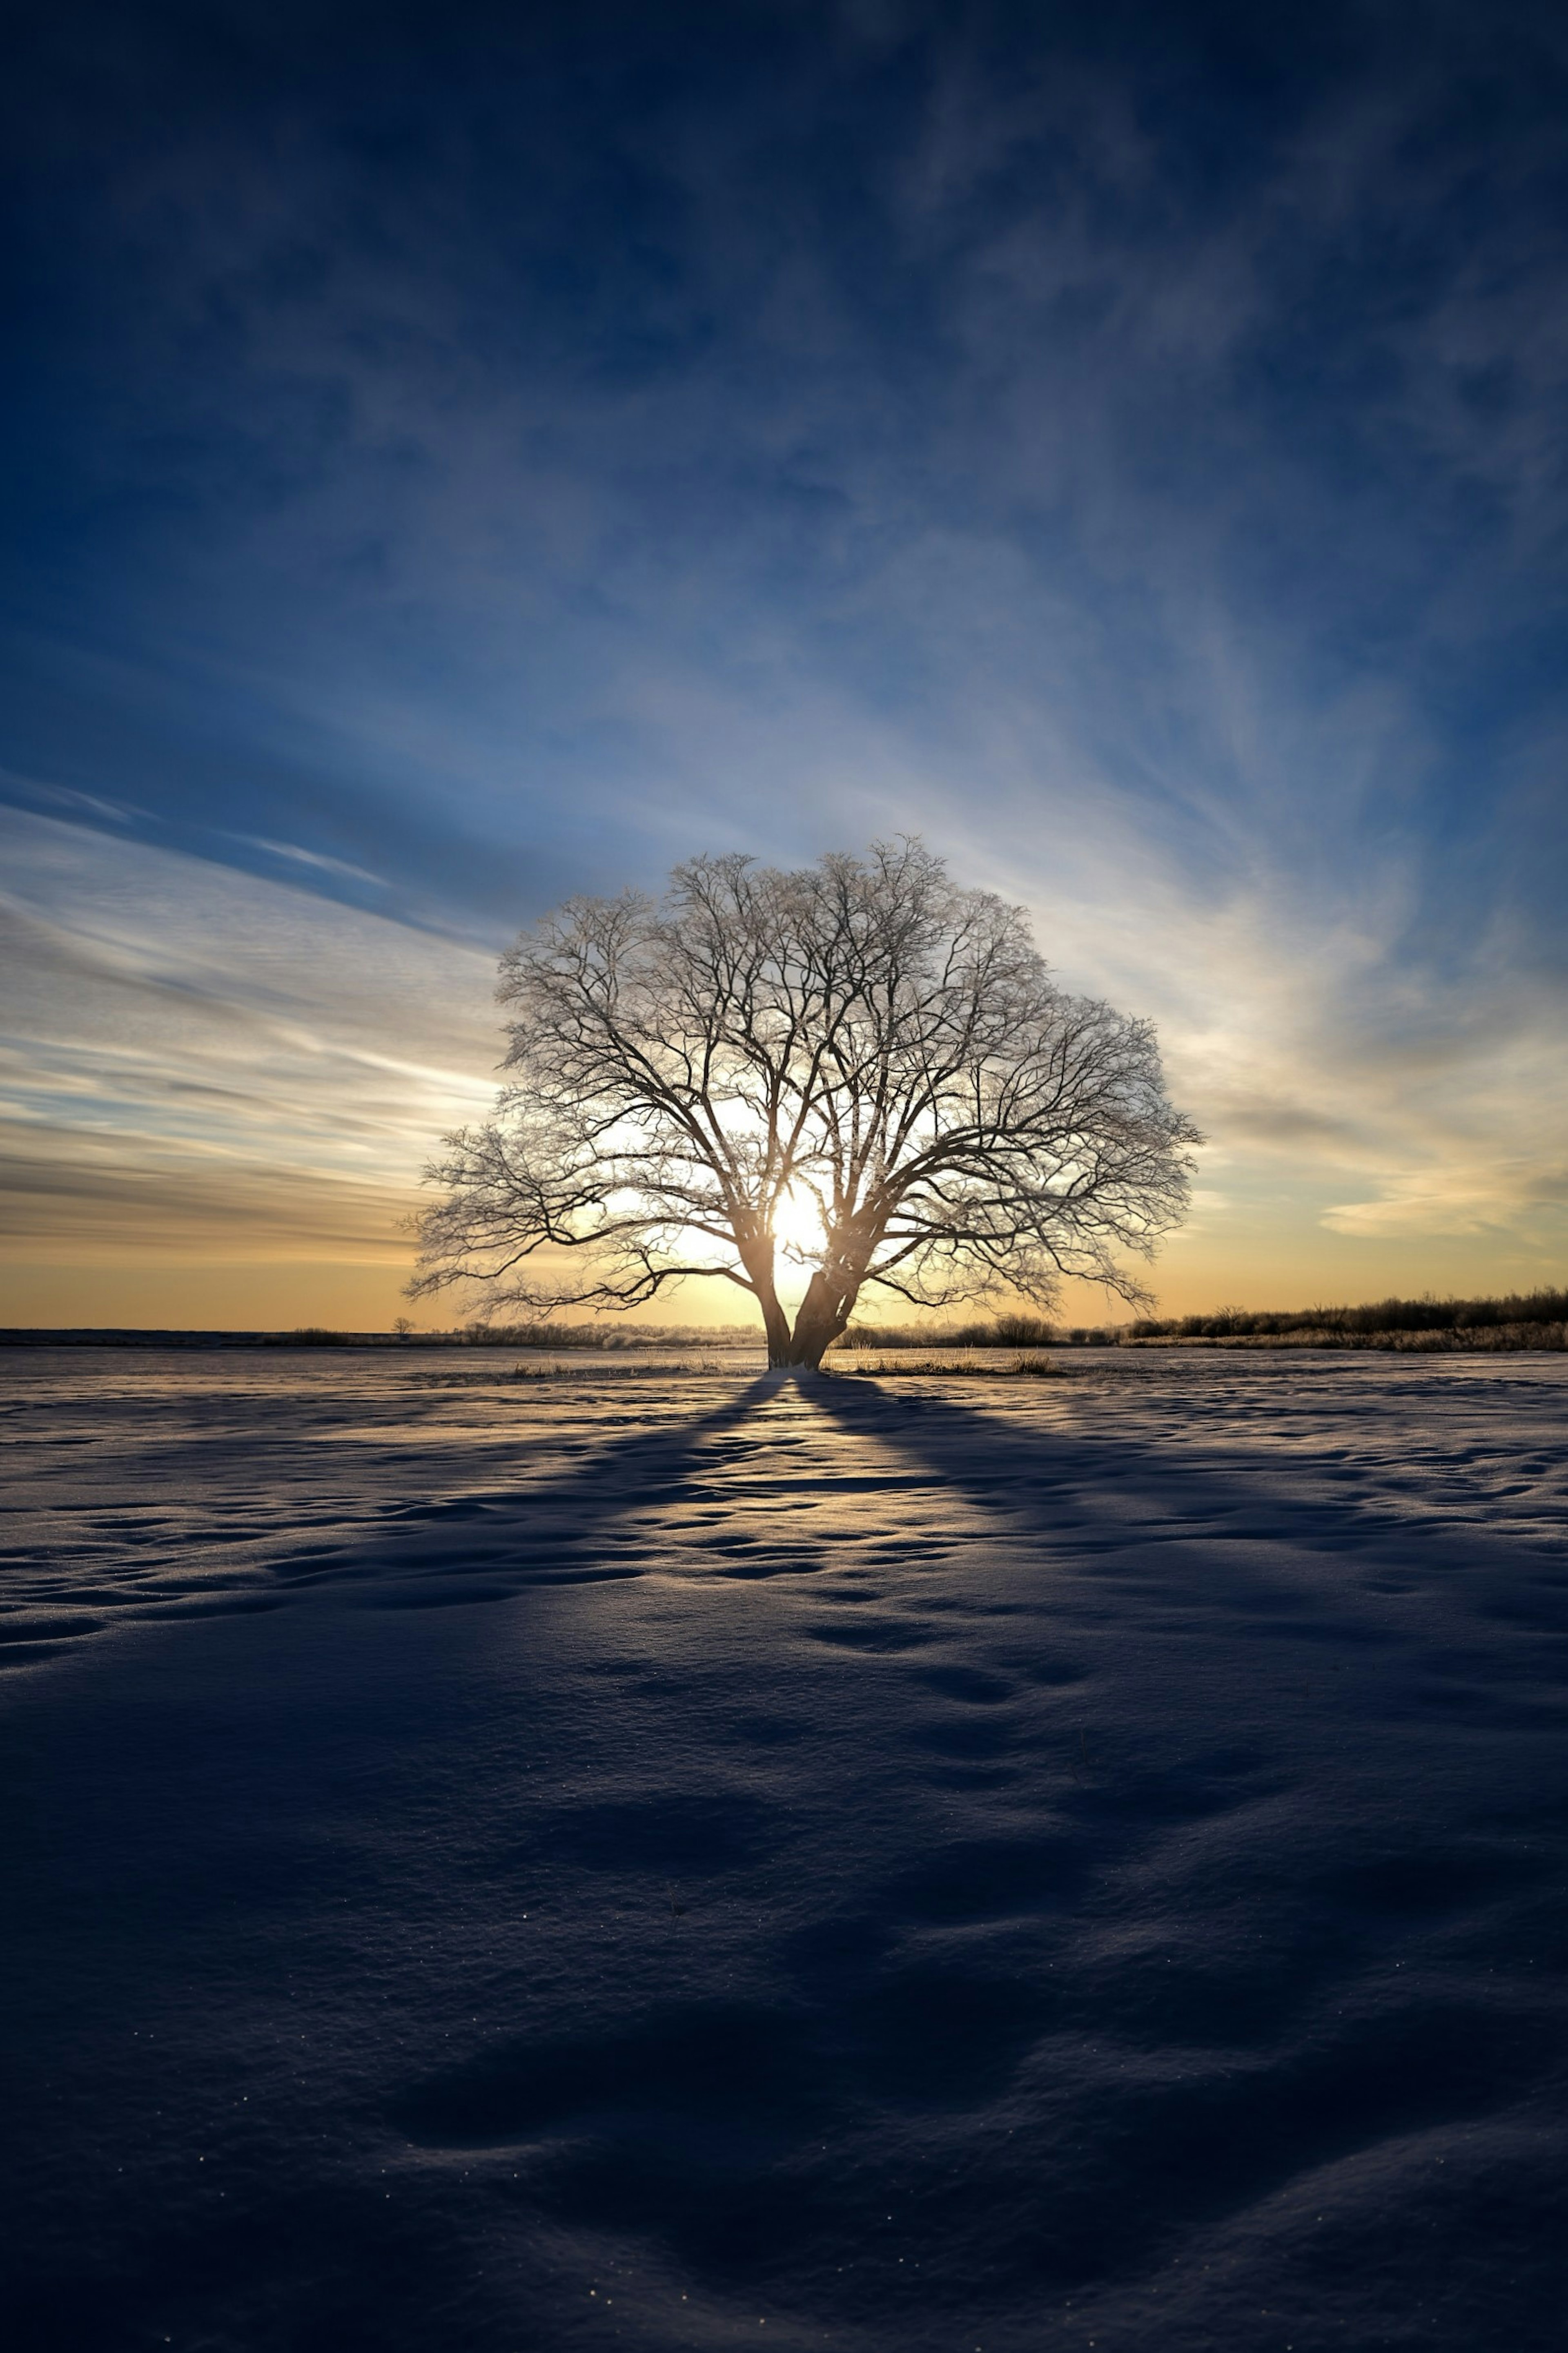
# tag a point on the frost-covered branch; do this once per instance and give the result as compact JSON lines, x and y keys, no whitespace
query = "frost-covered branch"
{"x":863,"y":1035}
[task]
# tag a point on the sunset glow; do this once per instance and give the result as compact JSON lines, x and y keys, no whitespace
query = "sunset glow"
{"x":1050,"y":461}
{"x":797,"y":1226}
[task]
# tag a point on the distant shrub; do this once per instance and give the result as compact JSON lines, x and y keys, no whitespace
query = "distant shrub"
{"x":1001,"y":1332}
{"x":1536,"y":1319}
{"x":1528,"y":1320}
{"x":564,"y":1338}
{"x":1018,"y":1331}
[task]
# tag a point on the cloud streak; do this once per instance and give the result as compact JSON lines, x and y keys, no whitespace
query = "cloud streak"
{"x":484,"y":463}
{"x":192,"y":1056}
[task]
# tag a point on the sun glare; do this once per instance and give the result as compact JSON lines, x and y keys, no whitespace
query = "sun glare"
{"x":797,"y":1225}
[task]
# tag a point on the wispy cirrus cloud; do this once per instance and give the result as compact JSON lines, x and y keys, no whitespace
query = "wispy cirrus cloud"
{"x":1136,"y":470}
{"x":291,"y":851}
{"x":189,"y":1052}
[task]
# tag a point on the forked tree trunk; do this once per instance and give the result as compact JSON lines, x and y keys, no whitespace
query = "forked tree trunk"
{"x":775,"y":1323}
{"x":824,"y":1313}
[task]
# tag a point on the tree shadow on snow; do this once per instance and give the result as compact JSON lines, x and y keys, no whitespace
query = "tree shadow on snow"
{"x":429,"y":1555}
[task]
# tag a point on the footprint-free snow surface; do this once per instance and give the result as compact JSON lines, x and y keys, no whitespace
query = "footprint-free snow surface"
{"x":676,"y":1858}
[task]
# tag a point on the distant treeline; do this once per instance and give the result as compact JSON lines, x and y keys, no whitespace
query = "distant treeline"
{"x":999,"y":1331}
{"x":608,"y":1335}
{"x":558,"y":1337}
{"x":1536,"y":1319}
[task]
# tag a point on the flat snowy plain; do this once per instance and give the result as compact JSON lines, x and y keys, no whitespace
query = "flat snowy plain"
{"x":671,"y":1858}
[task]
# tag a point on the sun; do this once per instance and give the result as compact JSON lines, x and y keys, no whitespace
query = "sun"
{"x":797,"y":1225}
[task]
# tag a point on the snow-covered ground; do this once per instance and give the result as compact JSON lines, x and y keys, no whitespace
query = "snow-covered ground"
{"x":671,"y":1858}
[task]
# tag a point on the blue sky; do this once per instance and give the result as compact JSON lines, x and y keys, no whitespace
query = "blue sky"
{"x":461,"y":457}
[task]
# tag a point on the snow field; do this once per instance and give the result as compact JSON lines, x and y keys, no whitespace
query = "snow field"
{"x":682,"y":1858}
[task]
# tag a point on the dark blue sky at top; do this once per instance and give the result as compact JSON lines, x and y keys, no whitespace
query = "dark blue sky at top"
{"x":452,"y":456}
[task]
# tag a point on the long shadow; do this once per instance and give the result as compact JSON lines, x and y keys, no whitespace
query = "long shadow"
{"x":1092,"y":1495}
{"x":1107,"y":1491}
{"x":545,"y":1533}
{"x":955,"y":2044}
{"x":1286,"y":1551}
{"x":959,"y":1961}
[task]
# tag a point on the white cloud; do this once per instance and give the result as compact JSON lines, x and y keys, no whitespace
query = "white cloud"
{"x":313,"y":858}
{"x":183,"y":1041}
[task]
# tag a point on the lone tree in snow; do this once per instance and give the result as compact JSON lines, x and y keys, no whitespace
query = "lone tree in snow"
{"x":859,"y":1070}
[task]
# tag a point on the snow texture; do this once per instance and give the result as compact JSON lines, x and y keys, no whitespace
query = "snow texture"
{"x":690,"y":1858}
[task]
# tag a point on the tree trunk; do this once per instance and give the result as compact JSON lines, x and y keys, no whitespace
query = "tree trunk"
{"x":775,"y":1323}
{"x":824,"y":1313}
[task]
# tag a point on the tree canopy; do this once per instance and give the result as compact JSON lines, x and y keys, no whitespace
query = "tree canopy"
{"x":858,"y":1070}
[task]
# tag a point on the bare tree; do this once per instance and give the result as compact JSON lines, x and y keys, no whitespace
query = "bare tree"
{"x":862,"y":1049}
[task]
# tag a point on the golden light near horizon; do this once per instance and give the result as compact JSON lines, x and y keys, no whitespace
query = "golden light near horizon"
{"x":1253,"y":782}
